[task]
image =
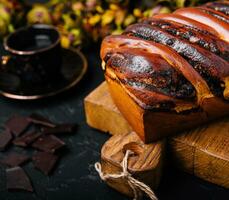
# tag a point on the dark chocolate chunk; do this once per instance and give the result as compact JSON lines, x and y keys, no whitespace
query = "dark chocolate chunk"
{"x":14,"y":159}
{"x":38,"y":119}
{"x":48,"y":143}
{"x":45,"y":162}
{"x":17,"y":124}
{"x":17,"y":179}
{"x":63,"y":128}
{"x":27,"y":139}
{"x":5,"y":139}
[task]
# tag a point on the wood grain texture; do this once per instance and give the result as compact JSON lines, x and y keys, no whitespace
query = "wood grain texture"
{"x":203,"y":152}
{"x":98,"y":106}
{"x":145,"y":165}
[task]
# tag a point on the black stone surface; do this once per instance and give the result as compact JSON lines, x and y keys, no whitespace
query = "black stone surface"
{"x":75,"y":178}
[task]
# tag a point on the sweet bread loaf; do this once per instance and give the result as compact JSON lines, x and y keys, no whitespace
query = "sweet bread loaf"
{"x":170,"y":72}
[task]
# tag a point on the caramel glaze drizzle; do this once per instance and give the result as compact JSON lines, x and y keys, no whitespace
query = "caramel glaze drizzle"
{"x":203,"y":61}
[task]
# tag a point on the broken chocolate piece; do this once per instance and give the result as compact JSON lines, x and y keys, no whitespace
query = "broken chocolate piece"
{"x":38,"y":119}
{"x":48,"y":143}
{"x":5,"y":139}
{"x":62,"y":128}
{"x":17,"y":179}
{"x":27,"y":139}
{"x":14,"y":159}
{"x":17,"y":124}
{"x":44,"y":161}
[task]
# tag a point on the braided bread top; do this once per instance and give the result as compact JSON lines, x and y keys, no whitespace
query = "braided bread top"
{"x":173,"y":61}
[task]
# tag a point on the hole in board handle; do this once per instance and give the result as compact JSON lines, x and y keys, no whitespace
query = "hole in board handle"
{"x":135,"y":147}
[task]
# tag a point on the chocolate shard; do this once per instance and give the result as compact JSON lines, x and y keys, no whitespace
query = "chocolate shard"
{"x":14,"y":159}
{"x":62,"y":128}
{"x":48,"y":143}
{"x":17,"y":124}
{"x":17,"y":179}
{"x":27,"y":139}
{"x":5,"y":139}
{"x":45,"y":162}
{"x":38,"y":119}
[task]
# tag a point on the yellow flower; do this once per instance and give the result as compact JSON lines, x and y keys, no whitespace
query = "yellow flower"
{"x":68,"y":21}
{"x":11,"y":28}
{"x":164,"y":10}
{"x":180,"y":3}
{"x":65,"y":42}
{"x":5,"y":14}
{"x":77,"y":6}
{"x":114,"y":7}
{"x":137,"y":12}
{"x":108,"y":17}
{"x":119,"y":17}
{"x":147,"y":13}
{"x":76,"y":32}
{"x":129,"y":20}
{"x":76,"y":36}
{"x":94,"y":19}
{"x":99,"y":9}
{"x":39,"y":14}
{"x":117,"y":32}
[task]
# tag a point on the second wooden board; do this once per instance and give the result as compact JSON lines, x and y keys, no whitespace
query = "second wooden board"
{"x":203,"y":152}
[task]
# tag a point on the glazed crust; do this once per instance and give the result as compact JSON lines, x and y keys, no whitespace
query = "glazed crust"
{"x":171,"y":72}
{"x":188,"y":22}
{"x":197,"y":14}
{"x":202,"y":60}
{"x":222,"y":7}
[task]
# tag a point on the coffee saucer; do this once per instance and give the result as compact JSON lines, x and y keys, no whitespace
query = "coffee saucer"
{"x":74,"y":67}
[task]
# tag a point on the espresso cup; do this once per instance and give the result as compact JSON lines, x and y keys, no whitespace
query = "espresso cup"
{"x":35,"y":52}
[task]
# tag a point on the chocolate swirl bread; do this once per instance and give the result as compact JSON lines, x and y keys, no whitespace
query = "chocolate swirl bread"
{"x":171,"y":72}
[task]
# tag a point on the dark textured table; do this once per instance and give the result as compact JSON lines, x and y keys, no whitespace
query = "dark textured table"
{"x":75,"y":177}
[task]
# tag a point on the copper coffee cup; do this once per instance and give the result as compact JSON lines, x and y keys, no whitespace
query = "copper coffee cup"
{"x":35,"y":53}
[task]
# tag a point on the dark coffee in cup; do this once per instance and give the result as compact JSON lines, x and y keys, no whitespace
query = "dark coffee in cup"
{"x":35,"y":53}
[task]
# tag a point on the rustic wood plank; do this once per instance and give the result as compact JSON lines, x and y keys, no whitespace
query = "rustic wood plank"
{"x":203,"y":152}
{"x":209,"y":158}
{"x":145,"y":165}
{"x":98,"y":106}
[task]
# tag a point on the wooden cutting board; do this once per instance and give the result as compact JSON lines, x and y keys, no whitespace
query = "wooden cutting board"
{"x":203,"y":152}
{"x":145,"y":164}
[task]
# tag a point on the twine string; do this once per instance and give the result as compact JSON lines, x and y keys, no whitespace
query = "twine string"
{"x":137,"y":186}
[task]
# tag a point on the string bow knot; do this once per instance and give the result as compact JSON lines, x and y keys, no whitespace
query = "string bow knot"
{"x":136,"y":186}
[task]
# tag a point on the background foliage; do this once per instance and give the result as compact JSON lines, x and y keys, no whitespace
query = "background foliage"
{"x":84,"y":21}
